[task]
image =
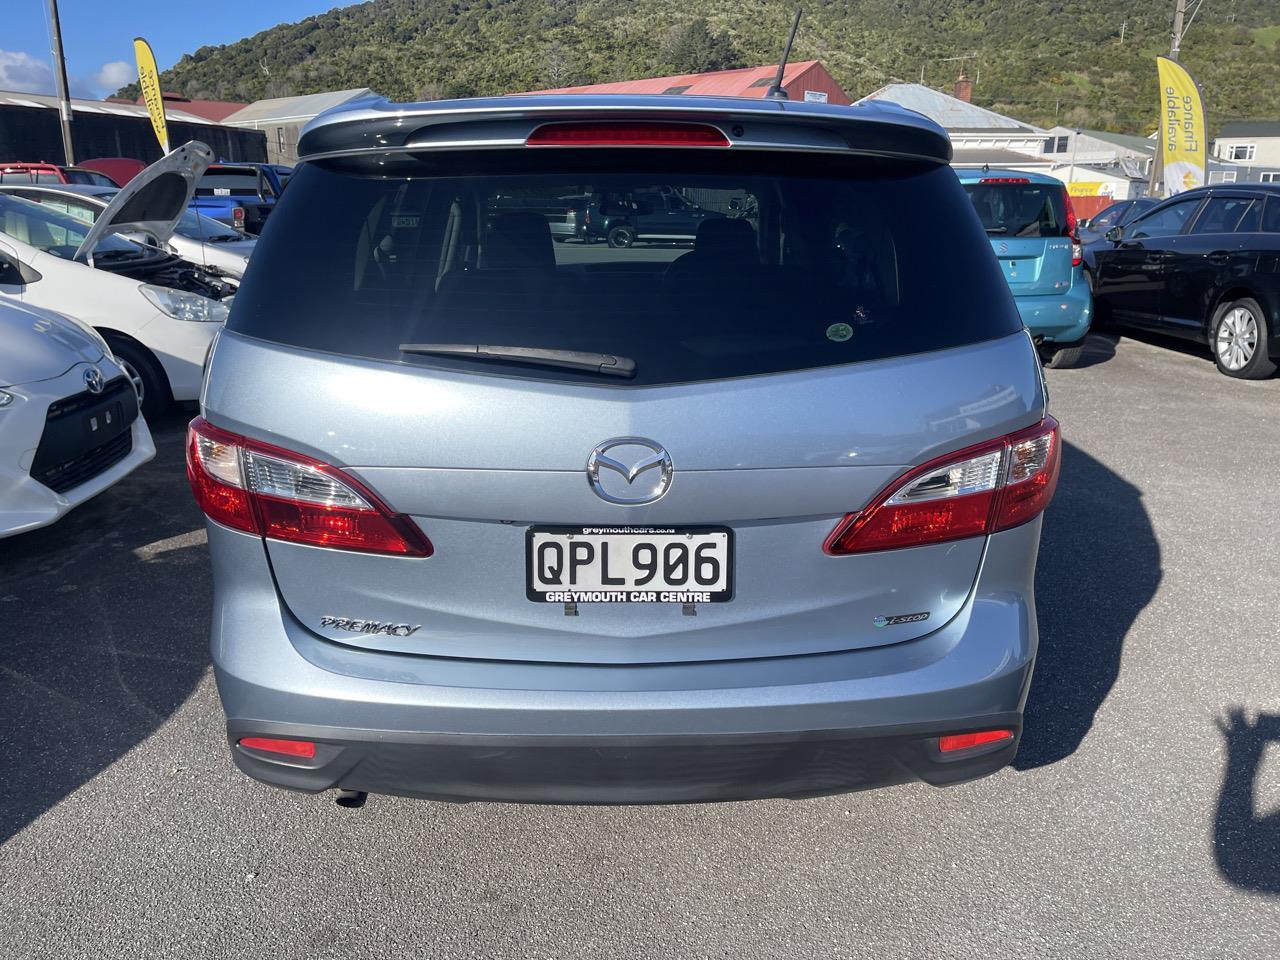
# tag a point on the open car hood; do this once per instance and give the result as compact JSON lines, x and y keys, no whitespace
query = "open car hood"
{"x":154,"y":200}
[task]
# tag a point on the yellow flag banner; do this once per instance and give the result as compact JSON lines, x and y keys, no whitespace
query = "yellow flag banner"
{"x":149,"y":80}
{"x":1183,"y":132}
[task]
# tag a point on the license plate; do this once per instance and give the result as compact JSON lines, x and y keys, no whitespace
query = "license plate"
{"x":629,"y":564}
{"x":105,"y":422}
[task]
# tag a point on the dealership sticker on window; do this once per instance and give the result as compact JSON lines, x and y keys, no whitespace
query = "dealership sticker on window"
{"x":839,"y":332}
{"x":222,"y":191}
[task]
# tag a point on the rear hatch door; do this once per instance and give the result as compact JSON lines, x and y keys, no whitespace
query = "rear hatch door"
{"x":1027,"y":225}
{"x":789,"y":365}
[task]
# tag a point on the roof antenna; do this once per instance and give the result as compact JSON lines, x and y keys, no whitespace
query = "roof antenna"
{"x":775,"y":91}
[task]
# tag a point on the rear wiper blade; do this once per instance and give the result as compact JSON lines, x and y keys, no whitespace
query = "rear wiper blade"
{"x":997,"y":229}
{"x":604,"y":363}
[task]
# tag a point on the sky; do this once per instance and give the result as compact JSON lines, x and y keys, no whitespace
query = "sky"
{"x":97,"y":37}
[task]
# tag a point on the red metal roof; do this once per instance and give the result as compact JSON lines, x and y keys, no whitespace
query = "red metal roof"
{"x":214,"y":111}
{"x":745,"y":82}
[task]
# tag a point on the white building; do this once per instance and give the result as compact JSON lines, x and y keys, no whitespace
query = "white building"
{"x":1251,"y":148}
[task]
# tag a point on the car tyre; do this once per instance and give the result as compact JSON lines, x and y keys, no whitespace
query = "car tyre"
{"x":622,"y":237}
{"x":1063,"y":358}
{"x":147,"y":376}
{"x":1239,"y":337}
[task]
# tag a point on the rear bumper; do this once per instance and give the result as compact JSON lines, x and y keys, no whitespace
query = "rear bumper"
{"x":1059,"y":319}
{"x":616,"y":770}
{"x":663,"y":733}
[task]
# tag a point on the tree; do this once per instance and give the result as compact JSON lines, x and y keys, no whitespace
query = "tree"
{"x":694,"y":48}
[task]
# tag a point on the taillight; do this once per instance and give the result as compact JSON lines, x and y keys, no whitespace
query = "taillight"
{"x":967,"y":741}
{"x":973,"y":492}
{"x":1073,"y":230}
{"x":262,"y":489}
{"x":1005,"y":180}
{"x":592,"y":133}
{"x":237,"y":217}
{"x":305,"y":749}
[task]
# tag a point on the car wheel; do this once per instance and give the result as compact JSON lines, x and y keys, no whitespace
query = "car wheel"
{"x":148,"y":379}
{"x":621,"y":237}
{"x":1063,"y":358}
{"x":1239,"y":340}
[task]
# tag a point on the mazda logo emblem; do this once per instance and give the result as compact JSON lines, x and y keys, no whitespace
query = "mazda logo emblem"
{"x":643,"y":469}
{"x":93,"y":380}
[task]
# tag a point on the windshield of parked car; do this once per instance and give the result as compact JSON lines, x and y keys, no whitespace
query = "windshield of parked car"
{"x":1019,"y":209}
{"x":57,"y":233}
{"x":694,"y":267}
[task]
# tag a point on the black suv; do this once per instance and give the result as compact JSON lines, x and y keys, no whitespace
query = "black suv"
{"x":1205,"y":265}
{"x":654,"y":215}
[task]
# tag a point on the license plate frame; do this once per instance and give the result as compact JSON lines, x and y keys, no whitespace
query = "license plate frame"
{"x":669,"y":534}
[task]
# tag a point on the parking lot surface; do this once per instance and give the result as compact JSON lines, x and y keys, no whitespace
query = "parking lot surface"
{"x":1142,"y":817}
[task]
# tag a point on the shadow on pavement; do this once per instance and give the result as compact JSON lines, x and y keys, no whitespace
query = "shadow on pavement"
{"x":1246,"y":846}
{"x":106,"y":631}
{"x":1099,"y":566}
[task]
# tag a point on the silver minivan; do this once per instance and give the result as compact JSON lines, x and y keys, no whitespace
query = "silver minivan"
{"x":749,"y":514}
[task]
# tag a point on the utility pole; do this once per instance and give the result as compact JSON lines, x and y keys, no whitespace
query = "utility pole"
{"x":1179,"y":13}
{"x":1123,"y":24}
{"x":60,"y":75}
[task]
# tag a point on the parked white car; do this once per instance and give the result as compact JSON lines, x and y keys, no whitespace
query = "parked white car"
{"x":69,"y":423}
{"x":196,"y":238}
{"x":158,"y":313}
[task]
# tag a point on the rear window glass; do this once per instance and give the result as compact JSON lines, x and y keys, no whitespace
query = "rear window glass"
{"x":1020,"y":209}
{"x":228,"y":183}
{"x":693,"y":267}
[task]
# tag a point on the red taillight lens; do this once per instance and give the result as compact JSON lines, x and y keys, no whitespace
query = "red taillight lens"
{"x":274,"y":493}
{"x":1073,"y":230}
{"x":237,"y":217}
{"x":972,"y":492}
{"x":1005,"y":180}
{"x":289,"y":748}
{"x":965,"y":741}
{"x":589,"y":133}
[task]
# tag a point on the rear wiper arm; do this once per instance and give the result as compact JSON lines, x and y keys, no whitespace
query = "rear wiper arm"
{"x":604,"y":363}
{"x":997,"y":229}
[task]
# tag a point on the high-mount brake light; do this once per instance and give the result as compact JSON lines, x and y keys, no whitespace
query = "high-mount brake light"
{"x":610,"y":133}
{"x":972,"y":492}
{"x":275,"y":493}
{"x":1005,"y":180}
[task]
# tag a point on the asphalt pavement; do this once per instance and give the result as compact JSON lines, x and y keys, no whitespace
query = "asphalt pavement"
{"x":1142,"y":817}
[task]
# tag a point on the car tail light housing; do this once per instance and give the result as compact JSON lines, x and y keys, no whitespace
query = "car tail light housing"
{"x":237,"y":217}
{"x":1005,"y":180}
{"x":611,"y":133}
{"x":967,"y":741}
{"x":973,"y":492}
{"x":259,"y":488}
{"x":302,"y":749}
{"x":1073,"y":230}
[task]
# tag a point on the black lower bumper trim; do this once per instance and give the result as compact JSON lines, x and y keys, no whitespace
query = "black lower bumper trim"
{"x":616,"y":770}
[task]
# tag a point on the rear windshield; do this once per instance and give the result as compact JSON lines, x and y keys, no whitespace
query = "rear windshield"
{"x":88,"y":178}
{"x":693,"y":267}
{"x":223,"y":182}
{"x":1020,"y":209}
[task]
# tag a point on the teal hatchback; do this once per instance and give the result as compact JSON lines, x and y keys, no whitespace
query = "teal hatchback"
{"x":1032,"y":229}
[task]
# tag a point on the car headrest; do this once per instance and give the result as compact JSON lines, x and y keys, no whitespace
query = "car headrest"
{"x":519,"y":241}
{"x":726,"y":239}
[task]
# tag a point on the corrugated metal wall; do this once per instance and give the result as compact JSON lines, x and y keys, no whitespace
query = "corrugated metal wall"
{"x":33,"y":133}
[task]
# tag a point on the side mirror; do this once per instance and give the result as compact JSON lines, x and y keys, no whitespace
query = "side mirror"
{"x":15,"y":273}
{"x":1115,"y":234}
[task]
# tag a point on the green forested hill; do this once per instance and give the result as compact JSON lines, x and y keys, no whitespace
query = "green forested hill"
{"x":1043,"y":61}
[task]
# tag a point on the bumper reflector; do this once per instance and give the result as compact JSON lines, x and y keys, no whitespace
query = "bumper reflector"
{"x":289,"y":748}
{"x":963,"y":741}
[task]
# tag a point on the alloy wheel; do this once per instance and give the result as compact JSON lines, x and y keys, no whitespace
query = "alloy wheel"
{"x":1237,"y":338}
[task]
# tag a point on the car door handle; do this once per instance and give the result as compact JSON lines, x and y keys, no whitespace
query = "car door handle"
{"x":1218,"y":257}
